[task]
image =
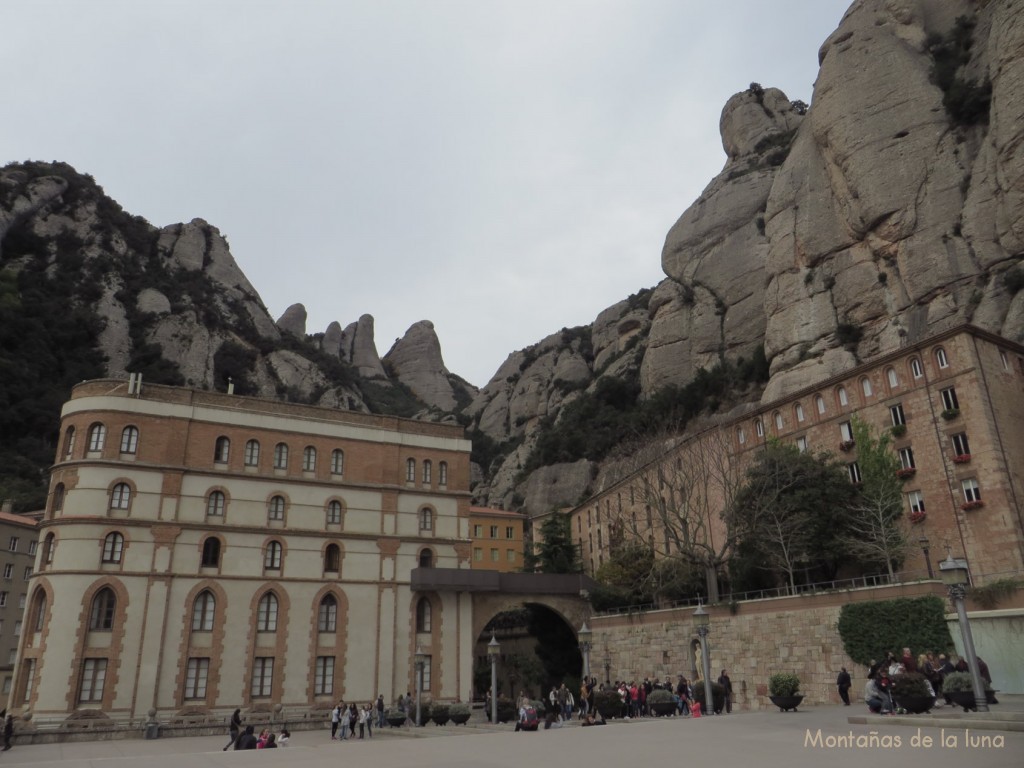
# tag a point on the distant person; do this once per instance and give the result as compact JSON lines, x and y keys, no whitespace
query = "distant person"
{"x":284,"y":738}
{"x":234,"y":728}
{"x":843,"y":682}
{"x":8,"y":732}
{"x":726,"y":683}
{"x":247,"y":740}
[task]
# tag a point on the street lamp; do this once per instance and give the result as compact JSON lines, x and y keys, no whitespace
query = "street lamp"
{"x":923,"y":541}
{"x":607,"y":668}
{"x":954,"y":576}
{"x":421,"y":659}
{"x":703,"y":619}
{"x":493,"y":649}
{"x":584,"y":635}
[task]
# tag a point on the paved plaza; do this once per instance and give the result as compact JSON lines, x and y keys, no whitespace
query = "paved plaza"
{"x":762,"y":739}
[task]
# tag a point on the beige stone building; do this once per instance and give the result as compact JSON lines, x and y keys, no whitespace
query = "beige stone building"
{"x":954,"y":405}
{"x":18,"y":539}
{"x":497,"y":539}
{"x":203,"y":551}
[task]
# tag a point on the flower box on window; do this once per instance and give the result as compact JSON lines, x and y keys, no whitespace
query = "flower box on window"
{"x":903,"y":474}
{"x":846,"y":445}
{"x":963,"y":458}
{"x":950,"y":413}
{"x":917,"y":517}
{"x":898,"y":430}
{"x":967,"y":506}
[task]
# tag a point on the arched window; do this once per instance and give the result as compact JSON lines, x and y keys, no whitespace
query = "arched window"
{"x":121,"y":496}
{"x":38,"y":611}
{"x":97,"y":437}
{"x":275,"y":510}
{"x":843,"y":398}
{"x":819,"y":403}
{"x":332,"y":558}
{"x":442,"y":473}
{"x":48,"y":544}
{"x":129,"y":439}
{"x":266,"y":613}
{"x":427,"y":467}
{"x":426,"y":519}
{"x":309,"y":459}
{"x":327,"y":615}
{"x":272,"y":556}
{"x":113,"y":547}
{"x":940,"y":358}
{"x":69,"y":443}
{"x":890,"y":374}
{"x":211,"y":552}
{"x":916,"y":369}
{"x":798,"y":411}
{"x":101,"y":616}
{"x":759,"y":427}
{"x":741,"y":436}
{"x":410,"y":470}
{"x":58,"y":497}
{"x":215,"y":504}
{"x":778,"y":421}
{"x":281,"y":456}
{"x":337,"y":462}
{"x":222,"y":450}
{"x":334,"y":512}
{"x":423,"y":615}
{"x":203,"y":610}
{"x":426,"y":559}
{"x":865,"y":387}
{"x":252,"y":453}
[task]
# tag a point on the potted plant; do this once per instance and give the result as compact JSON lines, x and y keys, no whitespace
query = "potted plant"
{"x":958,"y":689}
{"x":396,"y":717}
{"x":459,"y":713}
{"x":962,"y":458}
{"x":898,"y":430}
{"x":967,"y":506}
{"x":783,"y":690}
{"x":906,"y":472}
{"x":847,"y":445}
{"x":717,"y":695}
{"x":950,"y":413}
{"x":506,"y":711}
{"x":912,"y":693}
{"x":918,"y":515}
{"x":439,"y":713}
{"x":608,"y":703}
{"x":662,"y":702}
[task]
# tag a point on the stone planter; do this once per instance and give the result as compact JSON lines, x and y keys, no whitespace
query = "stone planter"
{"x":786,"y":703}
{"x":664,"y":708}
{"x":963,"y":699}
{"x":915,"y":705}
{"x":396,"y":721}
{"x":460,"y":718}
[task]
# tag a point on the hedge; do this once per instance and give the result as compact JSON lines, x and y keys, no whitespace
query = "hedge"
{"x":870,"y":629}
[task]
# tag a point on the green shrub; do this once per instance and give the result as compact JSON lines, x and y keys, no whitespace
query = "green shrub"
{"x":506,"y":711}
{"x":909,"y":684}
{"x":660,"y":696}
{"x":990,"y":595}
{"x":717,"y":694}
{"x":958,"y":682}
{"x":783,"y":684}
{"x":608,"y":703}
{"x":869,"y":629}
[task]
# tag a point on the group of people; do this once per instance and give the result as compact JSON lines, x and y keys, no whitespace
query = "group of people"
{"x":247,"y":738}
{"x":347,"y":717}
{"x":878,"y":690}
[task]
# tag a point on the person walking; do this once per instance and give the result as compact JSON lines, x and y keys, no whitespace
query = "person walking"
{"x":234,"y":728}
{"x":8,"y":732}
{"x":335,"y":720}
{"x":380,"y":711}
{"x":843,"y":682}
{"x":362,"y":723}
{"x":726,"y":683}
{"x":343,"y":722}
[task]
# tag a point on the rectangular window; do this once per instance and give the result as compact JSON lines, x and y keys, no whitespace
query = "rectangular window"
{"x":478,"y":554}
{"x":949,"y":399}
{"x":846,"y":431}
{"x":262,"y":676}
{"x":494,"y":531}
{"x":916,"y":369}
{"x":195,"y":678}
{"x":21,"y":602}
{"x":8,"y":570}
{"x":32,"y":547}
{"x":94,"y":673}
{"x":17,"y":629}
{"x":972,"y":491}
{"x":854,"y":469}
{"x":28,"y":572}
{"x":1004,"y":360}
{"x":12,"y":545}
{"x":907,"y":458}
{"x":478,"y":531}
{"x":12,"y":656}
{"x":29,"y":676}
{"x":7,"y":684}
{"x":510,"y":555}
{"x":960,"y":445}
{"x":916,"y":501}
{"x":494,"y":554}
{"x":896,"y":414}
{"x":323,"y":676}
{"x":799,"y":412}
{"x":510,"y":532}
{"x":425,"y":680}
{"x":801,"y":444}
{"x":3,"y":599}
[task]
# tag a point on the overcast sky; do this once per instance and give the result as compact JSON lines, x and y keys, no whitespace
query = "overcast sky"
{"x":503,"y":169}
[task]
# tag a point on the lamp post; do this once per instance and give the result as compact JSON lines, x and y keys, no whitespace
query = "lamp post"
{"x":420,"y":661}
{"x":954,"y":576}
{"x":703,"y":620}
{"x":923,"y":541}
{"x":584,"y":635}
{"x":493,"y":649}
{"x":607,"y":668}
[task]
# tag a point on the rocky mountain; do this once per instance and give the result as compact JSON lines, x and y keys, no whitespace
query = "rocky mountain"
{"x":890,"y":208}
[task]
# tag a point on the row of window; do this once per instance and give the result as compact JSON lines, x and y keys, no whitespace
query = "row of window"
{"x":478,"y":555}
{"x":9,"y":572}
{"x":428,"y":472}
{"x":478,"y":532}
{"x":251,"y":455}
{"x":96,"y":439}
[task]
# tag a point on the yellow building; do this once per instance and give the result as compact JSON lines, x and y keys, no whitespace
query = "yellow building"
{"x":497,"y":538}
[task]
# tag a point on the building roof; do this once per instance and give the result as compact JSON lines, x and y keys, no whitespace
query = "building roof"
{"x":490,"y":512}
{"x":25,"y":520}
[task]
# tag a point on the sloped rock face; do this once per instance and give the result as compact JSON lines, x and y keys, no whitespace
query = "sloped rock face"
{"x":359,"y":348}
{"x":889,"y":217}
{"x":415,"y":360}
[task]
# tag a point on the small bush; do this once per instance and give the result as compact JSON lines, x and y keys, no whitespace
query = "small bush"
{"x":783,"y":684}
{"x":909,"y":684}
{"x":717,"y":693}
